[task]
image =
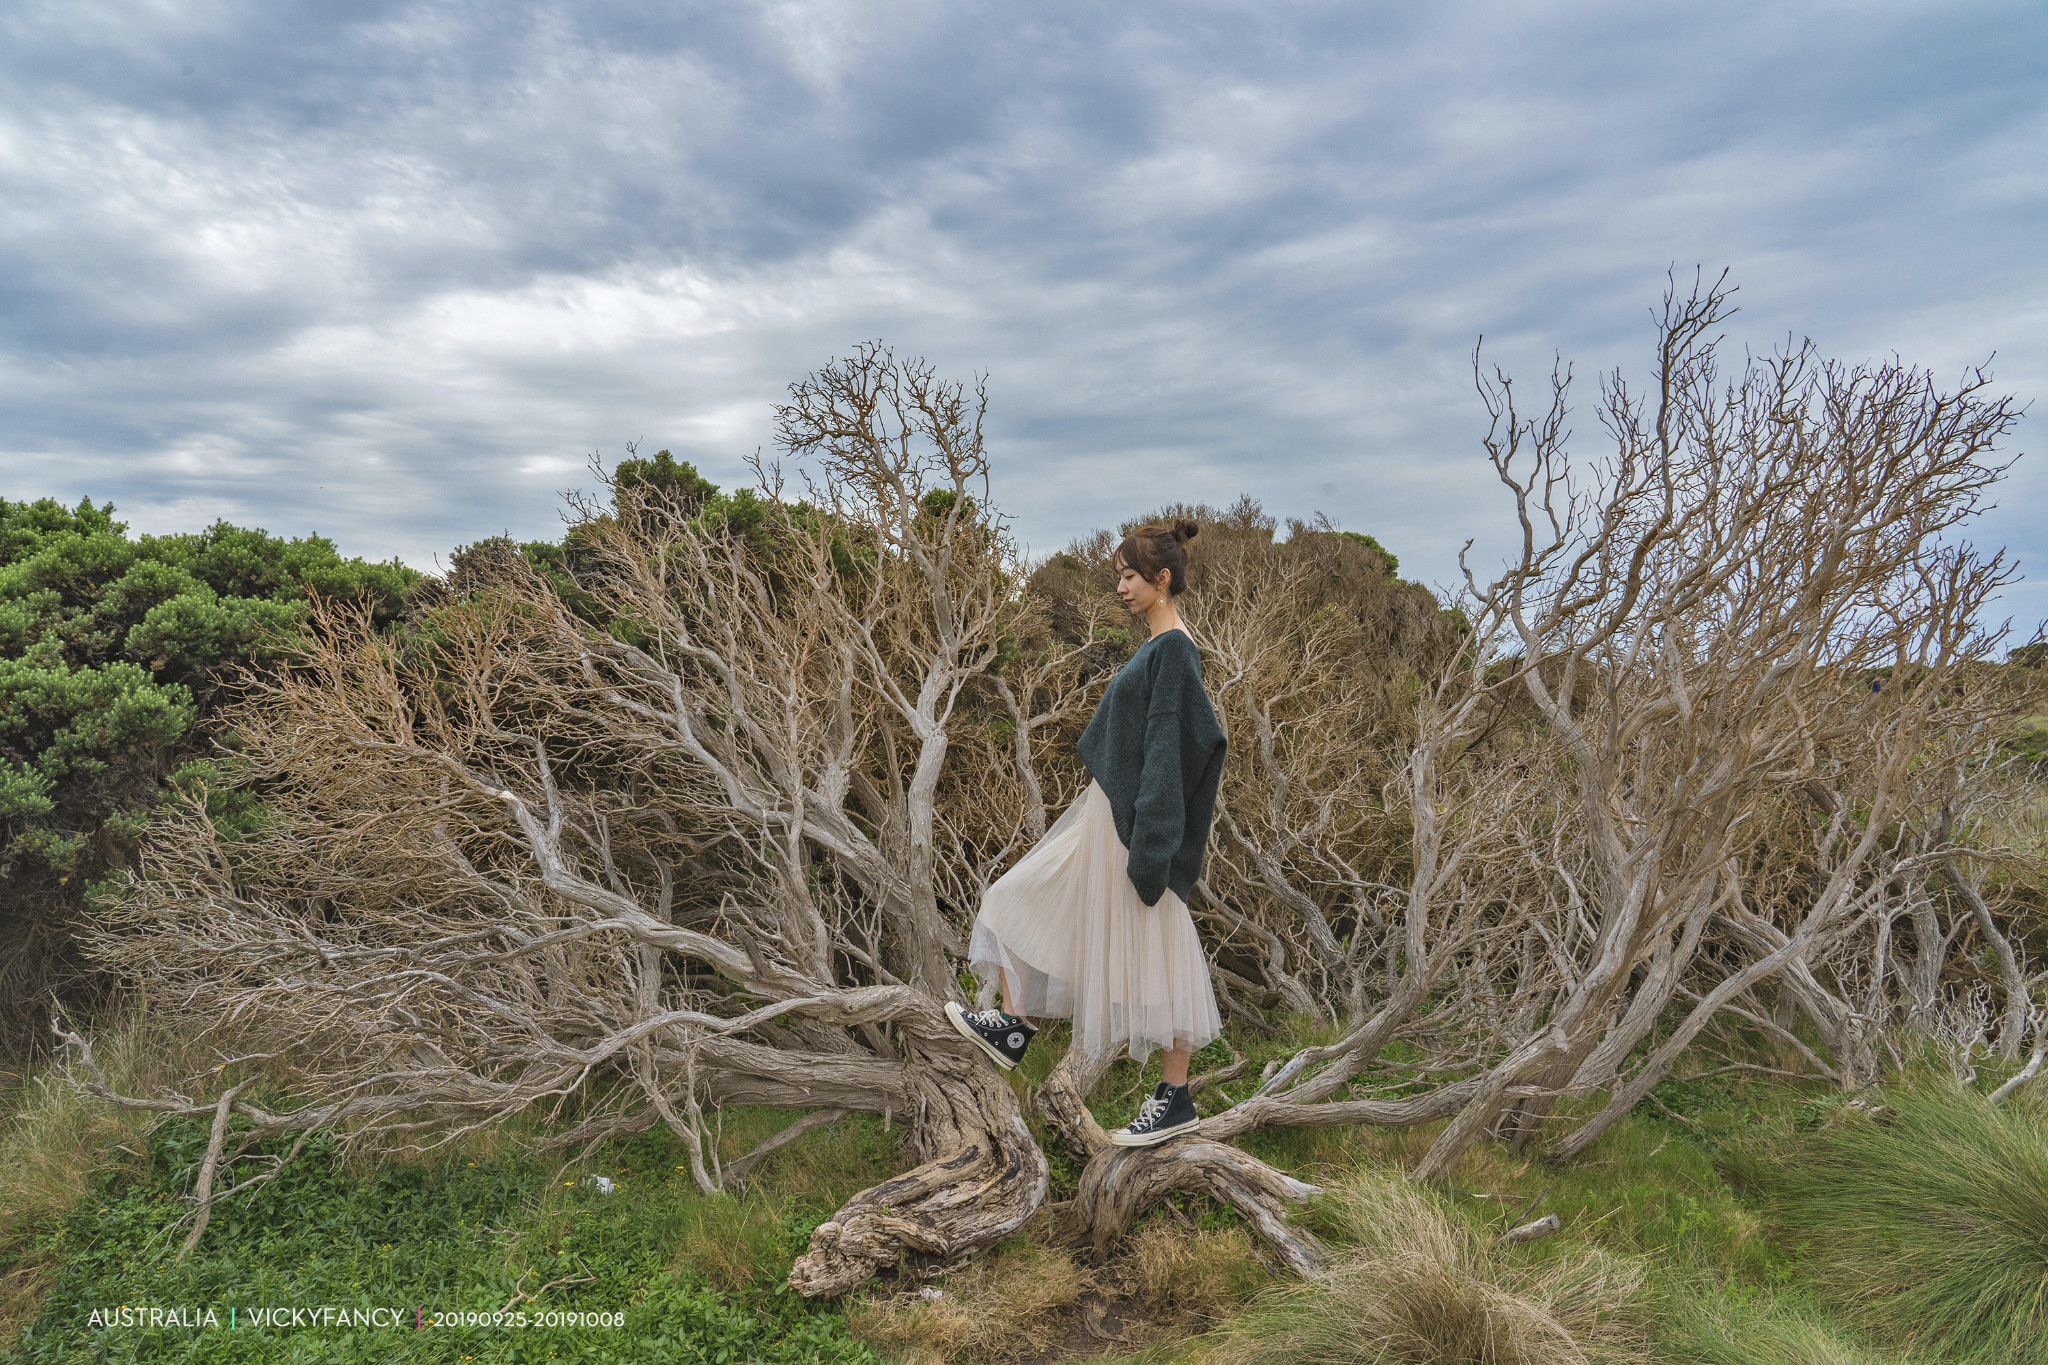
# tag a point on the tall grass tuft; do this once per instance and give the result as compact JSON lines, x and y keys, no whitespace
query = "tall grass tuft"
{"x":1930,"y":1218}
{"x":1709,"y":1325}
{"x":1204,"y":1273}
{"x":1418,"y":1286}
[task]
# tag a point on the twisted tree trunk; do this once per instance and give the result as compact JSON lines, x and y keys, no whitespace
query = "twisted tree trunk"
{"x":1119,"y":1183}
{"x":981,"y":1175}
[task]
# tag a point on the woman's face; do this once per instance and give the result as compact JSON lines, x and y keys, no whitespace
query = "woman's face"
{"x":1139,"y":595}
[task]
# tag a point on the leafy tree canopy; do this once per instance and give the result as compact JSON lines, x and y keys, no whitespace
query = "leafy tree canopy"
{"x":112,"y":651}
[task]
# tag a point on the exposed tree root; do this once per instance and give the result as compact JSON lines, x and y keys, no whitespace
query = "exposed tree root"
{"x":1119,"y":1183}
{"x":983,"y":1177}
{"x":1123,"y":1182}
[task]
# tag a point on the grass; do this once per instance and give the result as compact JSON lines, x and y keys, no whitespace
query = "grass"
{"x":1746,"y":1222}
{"x":994,"y":1310}
{"x":1727,"y":1324}
{"x":1928,"y":1216}
{"x":1419,"y":1285}
{"x":55,"y":1142}
{"x":90,"y":1206}
{"x":1193,"y":1274}
{"x":1174,"y":1276}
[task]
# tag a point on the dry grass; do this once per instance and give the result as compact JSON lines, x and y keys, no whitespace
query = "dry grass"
{"x":56,"y":1143}
{"x":1187,"y":1275}
{"x":1421,"y":1287}
{"x":1165,"y":1280}
{"x":998,"y":1309}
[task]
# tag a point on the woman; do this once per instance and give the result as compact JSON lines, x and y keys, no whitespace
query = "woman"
{"x":1092,"y":924}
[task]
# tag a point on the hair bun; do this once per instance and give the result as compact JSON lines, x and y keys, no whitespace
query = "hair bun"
{"x":1183,"y":529}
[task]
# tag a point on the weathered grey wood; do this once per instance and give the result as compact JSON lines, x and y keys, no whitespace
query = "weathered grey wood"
{"x":1529,"y":1232}
{"x":983,"y":1176}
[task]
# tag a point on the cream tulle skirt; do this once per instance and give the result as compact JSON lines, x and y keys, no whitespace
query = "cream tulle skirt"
{"x":1068,"y":926}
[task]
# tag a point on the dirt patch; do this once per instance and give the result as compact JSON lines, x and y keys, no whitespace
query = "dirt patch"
{"x":1099,"y":1325}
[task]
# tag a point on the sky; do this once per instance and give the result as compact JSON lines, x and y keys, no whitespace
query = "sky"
{"x":393,"y":272}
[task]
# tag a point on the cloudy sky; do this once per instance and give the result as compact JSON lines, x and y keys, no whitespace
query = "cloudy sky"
{"x":392,"y":272}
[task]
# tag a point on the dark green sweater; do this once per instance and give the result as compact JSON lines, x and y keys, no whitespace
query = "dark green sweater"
{"x":1155,"y":748}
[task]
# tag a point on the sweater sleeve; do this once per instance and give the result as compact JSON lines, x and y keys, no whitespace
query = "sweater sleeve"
{"x":1159,"y":822}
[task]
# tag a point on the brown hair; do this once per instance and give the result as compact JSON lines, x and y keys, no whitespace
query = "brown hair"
{"x":1148,"y":549}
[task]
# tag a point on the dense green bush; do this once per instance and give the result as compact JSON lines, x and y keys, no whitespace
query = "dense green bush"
{"x":113,"y":653}
{"x":660,"y":484}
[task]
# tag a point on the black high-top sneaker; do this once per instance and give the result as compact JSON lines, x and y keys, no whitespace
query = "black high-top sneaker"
{"x":1168,"y":1114}
{"x":1002,"y":1036}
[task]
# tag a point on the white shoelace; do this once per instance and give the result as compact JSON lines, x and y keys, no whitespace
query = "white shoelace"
{"x":1151,"y":1109}
{"x":988,"y":1018}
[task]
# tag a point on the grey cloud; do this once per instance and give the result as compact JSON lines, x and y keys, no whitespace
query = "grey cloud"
{"x":429,"y":256}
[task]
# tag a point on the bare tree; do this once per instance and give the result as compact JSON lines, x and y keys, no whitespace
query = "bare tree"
{"x":707,"y":822}
{"x":681,"y":828}
{"x":1696,"y":790}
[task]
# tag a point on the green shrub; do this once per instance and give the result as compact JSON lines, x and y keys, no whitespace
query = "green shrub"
{"x":113,"y":653}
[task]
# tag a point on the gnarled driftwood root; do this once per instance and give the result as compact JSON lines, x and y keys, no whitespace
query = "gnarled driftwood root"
{"x":1123,"y":1182}
{"x":987,"y":1179}
{"x":1119,"y":1183}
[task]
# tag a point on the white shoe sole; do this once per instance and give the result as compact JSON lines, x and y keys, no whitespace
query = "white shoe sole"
{"x":1122,"y":1137}
{"x":955,"y":1013}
